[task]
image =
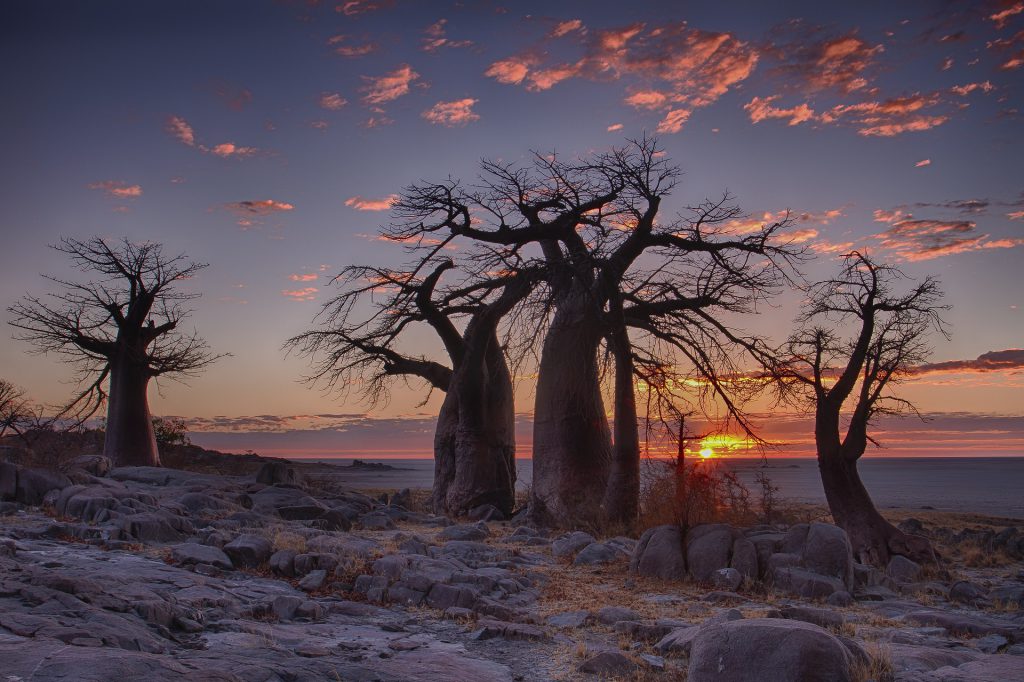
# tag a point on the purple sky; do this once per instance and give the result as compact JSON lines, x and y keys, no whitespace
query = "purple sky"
{"x":266,"y":138}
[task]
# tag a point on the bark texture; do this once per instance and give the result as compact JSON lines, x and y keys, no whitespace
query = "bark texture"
{"x":130,"y":439}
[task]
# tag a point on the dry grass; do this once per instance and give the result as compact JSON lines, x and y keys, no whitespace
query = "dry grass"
{"x":877,"y":668}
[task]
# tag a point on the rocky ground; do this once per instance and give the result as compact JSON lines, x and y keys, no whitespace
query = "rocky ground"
{"x":165,"y":574}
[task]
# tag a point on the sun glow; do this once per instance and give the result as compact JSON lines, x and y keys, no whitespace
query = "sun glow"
{"x":707,"y":453}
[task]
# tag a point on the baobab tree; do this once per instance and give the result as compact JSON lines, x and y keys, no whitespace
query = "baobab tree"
{"x":121,"y":330}
{"x":610,"y":266}
{"x":474,"y":440}
{"x":860,"y":334}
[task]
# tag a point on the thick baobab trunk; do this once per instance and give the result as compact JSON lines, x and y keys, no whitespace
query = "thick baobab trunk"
{"x":622,"y":496}
{"x":571,"y":440}
{"x":130,"y":439}
{"x":474,"y":444}
{"x":874,"y":539}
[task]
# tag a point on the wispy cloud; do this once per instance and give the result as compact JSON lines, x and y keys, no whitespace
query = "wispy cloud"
{"x":234,"y":97}
{"x":1003,"y":16}
{"x":249,"y":212}
{"x":814,"y":63}
{"x":360,"y":203}
{"x":565,"y":27}
{"x":304,"y":294}
{"x":230,"y":149}
{"x":451,"y":114}
{"x":352,"y":8}
{"x":914,"y":239}
{"x":922,"y":163}
{"x":182,"y":131}
{"x":304,"y":277}
{"x":390,"y":86}
{"x":332,"y":101}
{"x":614,"y":128}
{"x":118,"y":189}
{"x":1009,"y":360}
{"x":339,"y":44}
{"x":436,"y":38}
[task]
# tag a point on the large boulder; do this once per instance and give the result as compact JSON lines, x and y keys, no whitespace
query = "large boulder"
{"x":708,"y":549}
{"x":191,"y":553}
{"x":157,"y":526}
{"x":759,"y":649}
{"x":566,"y":546}
{"x":659,"y":554}
{"x":8,"y":481}
{"x":827,"y":551}
{"x":274,"y":473}
{"x":33,"y":484}
{"x":248,"y":550}
{"x":815,"y":560}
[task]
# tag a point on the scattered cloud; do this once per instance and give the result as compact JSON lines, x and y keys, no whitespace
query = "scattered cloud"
{"x":1010,"y":50}
{"x":377,"y":121}
{"x":914,"y":239}
{"x":1015,"y":215}
{"x":118,"y":189}
{"x":249,"y":212}
{"x":234,"y":97}
{"x":353,"y":8}
{"x":961,"y":205}
{"x":319,"y":124}
{"x":230,"y":149}
{"x":364,"y":204}
{"x":437,"y":38}
{"x":390,"y":86}
{"x":671,"y":68}
{"x":922,"y":163}
{"x":1003,"y":16}
{"x":306,"y":277}
{"x":451,"y":114}
{"x":1011,"y":359}
{"x":760,"y":109}
{"x":332,"y":101}
{"x":181,"y":130}
{"x":304,"y":294}
{"x":614,"y":128}
{"x":565,"y":27}
{"x":338,"y":44}
{"x":813,"y":64}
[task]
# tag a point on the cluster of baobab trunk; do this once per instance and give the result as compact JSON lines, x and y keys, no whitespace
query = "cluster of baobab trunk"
{"x":566,"y":262}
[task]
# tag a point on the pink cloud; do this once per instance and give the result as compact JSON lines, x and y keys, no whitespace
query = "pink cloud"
{"x":673,"y":121}
{"x":565,"y":27}
{"x":350,"y":50}
{"x":437,"y":38}
{"x":1015,"y":215}
{"x":451,"y":114}
{"x":836,"y":63}
{"x":230,"y":149}
{"x":614,"y":128}
{"x":332,"y":101}
{"x":234,"y":97}
{"x":648,"y":99}
{"x":310,"y":277}
{"x":304,"y":294}
{"x":1001,"y":17}
{"x":353,"y":8}
{"x":259,"y":207}
{"x":118,"y":188}
{"x":180,"y":129}
{"x":914,"y":239}
{"x":363,"y":204}
{"x":509,"y":71}
{"x":760,"y":109}
{"x":922,"y":163}
{"x":390,"y":86}
{"x":1011,"y":359}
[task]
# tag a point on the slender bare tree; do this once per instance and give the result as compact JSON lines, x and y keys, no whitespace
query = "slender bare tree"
{"x":474,"y":441}
{"x":593,"y":220}
{"x":120,"y":330}
{"x":860,"y":334}
{"x":15,"y":412}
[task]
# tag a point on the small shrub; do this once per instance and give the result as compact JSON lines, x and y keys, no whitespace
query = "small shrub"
{"x":692,"y":494}
{"x":170,"y":431}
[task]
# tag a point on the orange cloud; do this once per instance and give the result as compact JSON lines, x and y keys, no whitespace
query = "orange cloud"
{"x":914,"y":239}
{"x":310,"y":277}
{"x":119,"y":189}
{"x":353,"y":8}
{"x":1000,"y":18}
{"x":837,"y":63}
{"x":1015,"y":215}
{"x":332,"y":101}
{"x":304,"y":294}
{"x":388,"y":87}
{"x":1011,"y":359}
{"x":922,"y":163}
{"x":180,"y":129}
{"x":647,"y":99}
{"x":436,"y":38}
{"x":363,"y":204}
{"x":615,"y":127}
{"x":509,"y":71}
{"x":565,"y":27}
{"x":451,"y":114}
{"x":259,"y":207}
{"x":673,"y":121}
{"x":760,"y":109}
{"x":230,"y":149}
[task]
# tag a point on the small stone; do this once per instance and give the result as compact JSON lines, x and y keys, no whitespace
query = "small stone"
{"x":608,"y":663}
{"x":728,"y":579}
{"x":596,"y":553}
{"x":569,"y":619}
{"x":314,"y":580}
{"x":609,"y":615}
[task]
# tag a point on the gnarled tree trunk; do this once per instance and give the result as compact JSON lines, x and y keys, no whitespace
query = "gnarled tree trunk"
{"x":130,"y":439}
{"x":474,"y":444}
{"x":571,"y":439}
{"x":622,"y":495}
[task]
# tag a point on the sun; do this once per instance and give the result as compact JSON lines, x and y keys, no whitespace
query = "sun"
{"x":707,"y":453}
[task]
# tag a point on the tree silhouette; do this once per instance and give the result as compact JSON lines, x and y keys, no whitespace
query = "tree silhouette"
{"x":886,"y":337}
{"x":611,"y":267}
{"x":474,"y":441}
{"x":120,"y":330}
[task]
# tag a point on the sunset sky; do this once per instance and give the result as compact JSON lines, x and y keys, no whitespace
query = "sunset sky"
{"x":268,"y":139}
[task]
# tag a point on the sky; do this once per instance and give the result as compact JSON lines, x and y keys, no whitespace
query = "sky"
{"x":269,"y":138}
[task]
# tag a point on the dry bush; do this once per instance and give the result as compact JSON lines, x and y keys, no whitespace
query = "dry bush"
{"x":699,"y":492}
{"x":877,"y":668}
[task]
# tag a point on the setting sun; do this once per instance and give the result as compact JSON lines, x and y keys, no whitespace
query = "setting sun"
{"x":707,"y":453}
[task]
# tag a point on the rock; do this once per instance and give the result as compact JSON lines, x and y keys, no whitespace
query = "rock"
{"x":610,"y":615}
{"x":489,"y":629}
{"x":659,"y":554}
{"x":902,"y":569}
{"x":827,"y":552}
{"x":445,"y":597}
{"x":334,"y":520}
{"x":966,"y":593}
{"x":744,"y":558}
{"x":570,"y":619}
{"x":567,"y":545}
{"x":990,"y":644}
{"x":707,"y":550}
{"x":8,"y":481}
{"x":596,"y":553}
{"x":284,"y":606}
{"x":403,"y":498}
{"x":248,"y":551}
{"x":821,"y":617}
{"x":958,"y":624}
{"x":726,"y":579}
{"x":678,"y":641}
{"x":282,"y":562}
{"x":911,"y":526}
{"x":376,"y":521}
{"x":842,"y":598}
{"x":273,"y":473}
{"x":608,"y":664}
{"x":648,"y":631}
{"x":191,"y":553}
{"x":302,"y":512}
{"x":806,"y":583}
{"x":313,"y":580}
{"x":464,"y":532}
{"x":486,"y":512}
{"x":1008,"y":595}
{"x":159,"y":526}
{"x":768,"y":649}
{"x":94,"y":465}
{"x":34,"y":484}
